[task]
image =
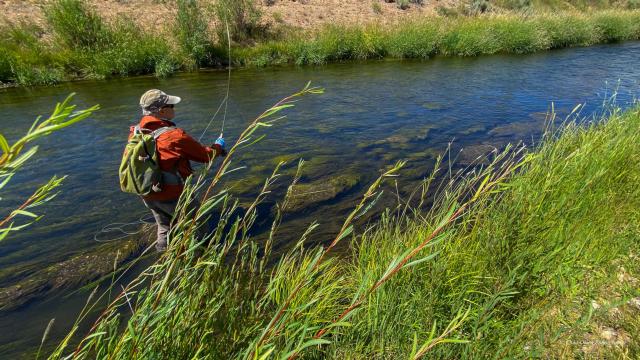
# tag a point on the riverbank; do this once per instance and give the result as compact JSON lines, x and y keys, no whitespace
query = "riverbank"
{"x":533,"y":255}
{"x":75,"y":42}
{"x":461,"y":36}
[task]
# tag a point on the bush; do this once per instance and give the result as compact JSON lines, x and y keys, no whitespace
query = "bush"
{"x":446,"y":11}
{"x":76,"y":25}
{"x":243,"y":18}
{"x":24,"y":58}
{"x":192,"y":31}
{"x":28,"y":75}
{"x":376,"y":7}
{"x":515,"y":4}
{"x":478,"y":7}
{"x":5,"y":65}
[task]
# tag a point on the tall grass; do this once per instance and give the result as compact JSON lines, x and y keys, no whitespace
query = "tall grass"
{"x":242,"y":17}
{"x":83,"y":45}
{"x":192,"y":31}
{"x":25,"y":59}
{"x":77,"y":26}
{"x":504,"y":263}
{"x":459,"y":36}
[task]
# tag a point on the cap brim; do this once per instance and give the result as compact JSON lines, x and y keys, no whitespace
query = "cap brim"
{"x":172,"y":100}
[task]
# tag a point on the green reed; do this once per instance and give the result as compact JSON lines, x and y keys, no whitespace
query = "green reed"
{"x":16,"y":155}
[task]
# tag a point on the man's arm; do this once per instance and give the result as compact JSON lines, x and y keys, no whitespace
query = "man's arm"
{"x":192,"y":150}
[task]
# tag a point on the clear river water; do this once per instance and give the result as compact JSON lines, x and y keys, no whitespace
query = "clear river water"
{"x":371,"y":115}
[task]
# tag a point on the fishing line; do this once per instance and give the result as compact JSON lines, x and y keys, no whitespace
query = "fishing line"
{"x":225,"y":101}
{"x":224,"y":118}
{"x":122,"y":229}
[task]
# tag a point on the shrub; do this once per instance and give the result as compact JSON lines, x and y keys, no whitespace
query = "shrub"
{"x":192,"y":31}
{"x":446,"y":11}
{"x":133,"y":52}
{"x":478,"y":7}
{"x":376,"y":7}
{"x":515,"y":4}
{"x":24,"y":58}
{"x":403,"y":4}
{"x":76,"y":25}
{"x":28,"y":75}
{"x":243,"y":18}
{"x":5,"y":65}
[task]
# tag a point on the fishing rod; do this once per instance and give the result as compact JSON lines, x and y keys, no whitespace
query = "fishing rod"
{"x":225,"y":100}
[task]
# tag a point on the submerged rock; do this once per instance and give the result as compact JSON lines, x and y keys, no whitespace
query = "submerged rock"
{"x":433,"y":106}
{"x":401,"y":138}
{"x":304,"y":195}
{"x":475,"y":154}
{"x":76,"y":271}
{"x":473,"y":129}
{"x":518,"y":129}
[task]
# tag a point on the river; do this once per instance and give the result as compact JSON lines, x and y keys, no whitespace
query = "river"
{"x":371,"y":115}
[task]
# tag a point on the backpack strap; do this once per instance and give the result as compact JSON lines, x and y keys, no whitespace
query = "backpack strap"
{"x":170,"y":178}
{"x":161,"y":131}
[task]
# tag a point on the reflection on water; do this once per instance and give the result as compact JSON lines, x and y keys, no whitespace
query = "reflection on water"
{"x":371,"y":115}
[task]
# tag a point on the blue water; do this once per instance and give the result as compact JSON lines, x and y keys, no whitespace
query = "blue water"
{"x":371,"y":115}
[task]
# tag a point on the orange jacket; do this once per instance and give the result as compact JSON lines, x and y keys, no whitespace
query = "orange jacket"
{"x":176,"y":149}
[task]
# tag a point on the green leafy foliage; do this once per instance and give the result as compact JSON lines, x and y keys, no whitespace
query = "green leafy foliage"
{"x":242,"y":17}
{"x":452,"y":36}
{"x":15,"y":156}
{"x":192,"y":32}
{"x":77,"y":26}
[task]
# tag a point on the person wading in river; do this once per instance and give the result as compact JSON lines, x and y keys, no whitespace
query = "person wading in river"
{"x":174,"y":151}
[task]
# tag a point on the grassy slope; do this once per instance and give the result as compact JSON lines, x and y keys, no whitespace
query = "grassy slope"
{"x":78,"y":43}
{"x":565,"y":233}
{"x":545,"y":263}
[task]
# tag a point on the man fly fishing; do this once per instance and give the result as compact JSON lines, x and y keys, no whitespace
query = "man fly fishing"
{"x":157,"y":158}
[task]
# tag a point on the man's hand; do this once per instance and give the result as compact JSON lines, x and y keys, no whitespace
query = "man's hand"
{"x":219,"y":146}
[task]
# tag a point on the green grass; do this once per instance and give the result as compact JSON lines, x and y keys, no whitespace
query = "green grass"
{"x":457,"y":36}
{"x":83,"y":45}
{"x":506,"y":262}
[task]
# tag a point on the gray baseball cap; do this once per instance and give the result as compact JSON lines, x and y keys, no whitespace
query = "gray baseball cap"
{"x":155,"y":99}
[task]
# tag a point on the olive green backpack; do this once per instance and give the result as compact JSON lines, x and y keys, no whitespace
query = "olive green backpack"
{"x":140,"y":172}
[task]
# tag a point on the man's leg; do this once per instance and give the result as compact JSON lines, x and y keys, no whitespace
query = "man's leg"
{"x":163,"y":213}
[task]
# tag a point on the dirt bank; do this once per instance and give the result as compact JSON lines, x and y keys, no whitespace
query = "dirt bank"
{"x":300,"y":13}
